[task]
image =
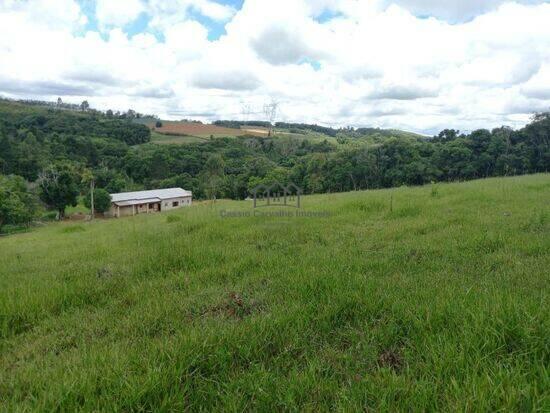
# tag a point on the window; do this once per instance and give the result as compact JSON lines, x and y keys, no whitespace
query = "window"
{"x":175,"y":203}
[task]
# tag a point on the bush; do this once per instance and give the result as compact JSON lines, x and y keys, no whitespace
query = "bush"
{"x":17,"y":205}
{"x":102,"y":200}
{"x":49,"y":216}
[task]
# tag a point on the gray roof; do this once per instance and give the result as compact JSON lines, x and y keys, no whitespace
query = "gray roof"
{"x":136,"y":201}
{"x":144,"y":196}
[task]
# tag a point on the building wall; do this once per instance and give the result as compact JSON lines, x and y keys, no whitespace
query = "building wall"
{"x":126,"y":211}
{"x":168,"y":204}
{"x":111,"y":212}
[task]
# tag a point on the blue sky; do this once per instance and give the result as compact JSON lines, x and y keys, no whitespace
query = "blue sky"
{"x":215,"y":28}
{"x":141,"y":23}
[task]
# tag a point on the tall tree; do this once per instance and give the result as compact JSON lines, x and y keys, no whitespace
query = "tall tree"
{"x":59,"y":187}
{"x":102,"y":200}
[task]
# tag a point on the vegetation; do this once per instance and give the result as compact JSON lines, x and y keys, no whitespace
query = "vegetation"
{"x":17,"y":203}
{"x":59,"y":187}
{"x":115,"y":148}
{"x":102,"y":200}
{"x":437,"y":304}
{"x":302,"y":126}
{"x":32,"y":137}
{"x":236,"y":124}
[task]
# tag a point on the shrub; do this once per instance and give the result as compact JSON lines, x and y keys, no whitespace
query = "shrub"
{"x":17,"y":204}
{"x":102,"y":200}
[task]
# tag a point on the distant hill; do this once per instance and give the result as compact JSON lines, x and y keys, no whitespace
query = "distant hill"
{"x":117,"y":149}
{"x":305,"y":129}
{"x":34,"y":135}
{"x":43,"y":120}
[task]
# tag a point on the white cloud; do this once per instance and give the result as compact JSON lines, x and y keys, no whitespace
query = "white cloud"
{"x":44,"y":13}
{"x":538,"y":87}
{"x":225,"y":80}
{"x":119,"y":12}
{"x":282,"y":45}
{"x":455,"y":11}
{"x":213,"y":10}
{"x":403,"y":92}
{"x":166,"y":13}
{"x":372,"y":64}
{"x":187,"y":39}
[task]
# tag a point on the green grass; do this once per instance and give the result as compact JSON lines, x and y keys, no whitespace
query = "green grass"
{"x":439,"y":304}
{"x":160,"y":138}
{"x":165,"y":139}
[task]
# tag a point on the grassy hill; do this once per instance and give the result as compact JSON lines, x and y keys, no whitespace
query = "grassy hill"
{"x":428,"y":298}
{"x":184,"y":132}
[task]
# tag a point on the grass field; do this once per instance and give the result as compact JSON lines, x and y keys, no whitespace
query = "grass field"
{"x":412,"y":299}
{"x":182,"y":133}
{"x":175,"y":139}
{"x":203,"y":130}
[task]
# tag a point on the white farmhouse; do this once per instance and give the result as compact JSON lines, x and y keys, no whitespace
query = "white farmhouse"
{"x":144,"y":202}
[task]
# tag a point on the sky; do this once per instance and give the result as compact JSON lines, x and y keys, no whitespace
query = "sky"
{"x":417,"y":65}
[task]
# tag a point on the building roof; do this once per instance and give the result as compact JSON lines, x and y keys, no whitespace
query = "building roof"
{"x":136,"y":201}
{"x":150,"y":196}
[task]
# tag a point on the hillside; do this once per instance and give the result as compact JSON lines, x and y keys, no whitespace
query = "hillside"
{"x":184,"y":132}
{"x":430,"y":298}
{"x":116,"y":150}
{"x":202,"y":130}
{"x":33,"y":136}
{"x":44,"y":121}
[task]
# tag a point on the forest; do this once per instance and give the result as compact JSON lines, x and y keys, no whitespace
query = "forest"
{"x":39,"y":143}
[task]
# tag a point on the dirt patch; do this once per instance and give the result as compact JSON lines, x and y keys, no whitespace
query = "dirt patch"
{"x":104,"y":272}
{"x":261,"y":132}
{"x":235,"y":306}
{"x":391,"y":359}
{"x":200,"y":129}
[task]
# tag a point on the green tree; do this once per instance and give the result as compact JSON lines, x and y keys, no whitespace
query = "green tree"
{"x":17,"y":204}
{"x":102,"y":200}
{"x":537,"y":137}
{"x":59,"y":187}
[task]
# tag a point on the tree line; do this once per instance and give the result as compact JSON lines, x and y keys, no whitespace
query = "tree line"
{"x":49,"y":156}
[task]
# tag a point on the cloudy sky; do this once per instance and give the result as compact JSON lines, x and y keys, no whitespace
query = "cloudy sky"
{"x":419,"y":65}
